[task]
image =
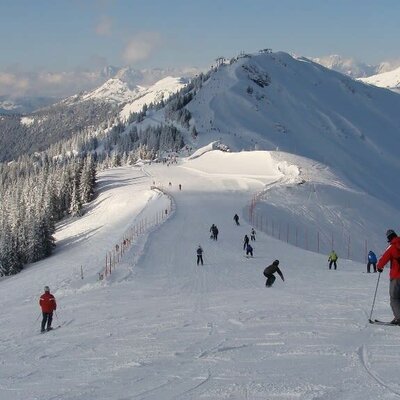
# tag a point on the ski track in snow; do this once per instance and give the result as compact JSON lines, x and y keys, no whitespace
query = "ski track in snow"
{"x":162,"y":327}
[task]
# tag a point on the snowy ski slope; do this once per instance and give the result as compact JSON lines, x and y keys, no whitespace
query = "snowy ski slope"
{"x":162,"y":328}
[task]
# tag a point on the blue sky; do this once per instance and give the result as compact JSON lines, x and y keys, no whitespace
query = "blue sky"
{"x":71,"y":35}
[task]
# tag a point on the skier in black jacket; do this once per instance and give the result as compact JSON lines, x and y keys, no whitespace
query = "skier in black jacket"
{"x":270,"y":271}
{"x":245,"y":242}
{"x":199,"y":252}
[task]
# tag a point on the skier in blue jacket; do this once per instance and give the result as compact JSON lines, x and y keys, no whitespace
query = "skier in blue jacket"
{"x":372,"y":260}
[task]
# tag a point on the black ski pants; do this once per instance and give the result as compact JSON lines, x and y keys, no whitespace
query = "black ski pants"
{"x":369,"y":266}
{"x":199,"y":259}
{"x":47,"y":318}
{"x":332,"y":262}
{"x":270,"y":280}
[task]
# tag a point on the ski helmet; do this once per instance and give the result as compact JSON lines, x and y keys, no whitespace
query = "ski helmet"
{"x":276,"y":262}
{"x":390,"y":234}
{"x":46,"y":289}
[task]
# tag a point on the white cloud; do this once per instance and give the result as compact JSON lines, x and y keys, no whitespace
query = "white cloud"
{"x":104,"y":26}
{"x":141,"y":46}
{"x":45,"y":83}
{"x":13,"y":83}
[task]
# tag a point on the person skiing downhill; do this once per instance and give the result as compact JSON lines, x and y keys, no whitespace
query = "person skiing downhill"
{"x":236,"y":219}
{"x":48,"y":304}
{"x":392,"y":254}
{"x":212,"y":236}
{"x":245,"y":241}
{"x":332,"y":259}
{"x":371,"y":261}
{"x":199,"y":255}
{"x":253,"y":235}
{"x":270,"y":271}
{"x":215,"y":232}
{"x":249,"y":250}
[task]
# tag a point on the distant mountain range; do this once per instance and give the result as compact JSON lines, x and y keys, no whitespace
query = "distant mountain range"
{"x":123,"y":83}
{"x":120,"y":91}
{"x":24,"y":104}
{"x":354,"y":68}
{"x":254,"y":101}
{"x":388,"y":80}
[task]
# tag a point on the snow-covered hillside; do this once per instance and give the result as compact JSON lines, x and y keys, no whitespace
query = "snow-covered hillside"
{"x":161,"y":327}
{"x":118,"y":91}
{"x":388,"y":80}
{"x":274,"y":101}
{"x":161,"y":90}
{"x":114,"y":90}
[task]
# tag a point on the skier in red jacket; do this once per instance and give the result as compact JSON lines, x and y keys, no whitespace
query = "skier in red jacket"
{"x":48,"y":304}
{"x":392,"y":254}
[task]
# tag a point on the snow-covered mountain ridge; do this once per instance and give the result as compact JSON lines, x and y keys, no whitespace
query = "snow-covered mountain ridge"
{"x":119,"y":92}
{"x":274,"y":101}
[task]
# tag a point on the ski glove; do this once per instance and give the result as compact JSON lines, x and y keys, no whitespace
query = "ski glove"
{"x":380,"y":270}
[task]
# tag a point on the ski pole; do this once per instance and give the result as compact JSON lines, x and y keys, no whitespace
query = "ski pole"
{"x":373,"y":303}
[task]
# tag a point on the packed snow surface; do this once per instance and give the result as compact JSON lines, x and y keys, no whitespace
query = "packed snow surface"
{"x":161,"y":327}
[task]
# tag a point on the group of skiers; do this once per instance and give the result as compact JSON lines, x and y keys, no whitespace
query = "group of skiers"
{"x":372,"y":260}
{"x":246,"y":243}
{"x":392,"y":254}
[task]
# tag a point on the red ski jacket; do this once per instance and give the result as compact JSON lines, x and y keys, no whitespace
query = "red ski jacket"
{"x":47,"y":302}
{"x":392,"y":254}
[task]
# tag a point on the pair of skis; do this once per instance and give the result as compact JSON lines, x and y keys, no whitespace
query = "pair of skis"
{"x":52,"y":329}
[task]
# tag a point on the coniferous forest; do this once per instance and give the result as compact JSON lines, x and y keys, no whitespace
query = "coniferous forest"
{"x":38,"y":189}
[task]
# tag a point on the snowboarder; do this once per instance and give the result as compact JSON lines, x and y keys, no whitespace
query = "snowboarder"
{"x":236,"y":218}
{"x":392,"y":254}
{"x":249,"y":250}
{"x":270,"y":271}
{"x":245,"y":241}
{"x":48,"y":304}
{"x":371,"y":261}
{"x":253,"y":235}
{"x":180,"y":187}
{"x":332,"y":259}
{"x":199,"y":255}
